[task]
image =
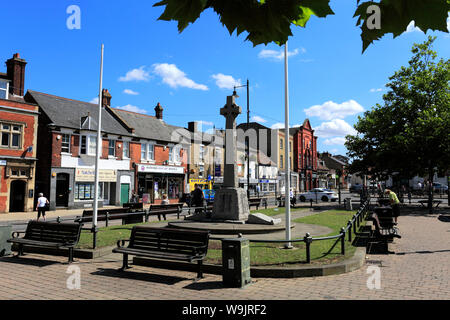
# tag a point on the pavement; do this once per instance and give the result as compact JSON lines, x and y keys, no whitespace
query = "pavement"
{"x":419,"y":269}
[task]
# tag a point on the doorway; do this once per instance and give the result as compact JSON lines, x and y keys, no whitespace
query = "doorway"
{"x":17,"y":196}
{"x":124,"y":193}
{"x":62,"y":190}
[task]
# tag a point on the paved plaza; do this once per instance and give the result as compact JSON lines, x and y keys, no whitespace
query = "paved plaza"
{"x":419,"y":269}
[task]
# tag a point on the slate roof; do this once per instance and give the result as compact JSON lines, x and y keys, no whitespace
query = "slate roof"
{"x":67,"y":113}
{"x":149,"y":127}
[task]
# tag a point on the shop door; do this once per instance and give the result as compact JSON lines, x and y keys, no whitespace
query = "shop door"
{"x":17,"y":196}
{"x":62,"y":190}
{"x":124,"y":193}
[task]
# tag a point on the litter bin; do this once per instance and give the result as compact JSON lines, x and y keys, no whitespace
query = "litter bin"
{"x":236,"y":262}
{"x":5,"y":234}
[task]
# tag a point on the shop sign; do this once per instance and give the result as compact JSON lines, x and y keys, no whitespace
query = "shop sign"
{"x":88,"y":175}
{"x":160,"y":169}
{"x":2,"y":162}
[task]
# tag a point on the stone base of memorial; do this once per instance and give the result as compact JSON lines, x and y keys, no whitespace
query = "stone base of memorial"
{"x":231,"y":204}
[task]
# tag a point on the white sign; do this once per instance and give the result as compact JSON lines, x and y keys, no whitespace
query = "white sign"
{"x":2,"y":162}
{"x":160,"y":169}
{"x":88,"y":175}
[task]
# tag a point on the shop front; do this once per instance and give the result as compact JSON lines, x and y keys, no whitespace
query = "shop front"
{"x":156,"y":181}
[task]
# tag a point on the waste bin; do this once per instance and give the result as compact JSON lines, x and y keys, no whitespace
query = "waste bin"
{"x":348,"y":204}
{"x":5,"y":234}
{"x":236,"y":262}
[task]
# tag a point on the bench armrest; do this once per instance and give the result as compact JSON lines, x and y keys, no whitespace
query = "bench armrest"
{"x":15,"y":234}
{"x":121,"y":243}
{"x":200,"y":248}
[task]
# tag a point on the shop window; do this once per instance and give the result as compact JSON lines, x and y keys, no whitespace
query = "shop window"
{"x":85,"y":190}
{"x":65,"y":143}
{"x":11,"y":135}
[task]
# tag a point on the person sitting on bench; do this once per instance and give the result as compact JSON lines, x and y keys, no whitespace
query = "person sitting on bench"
{"x":395,"y":204}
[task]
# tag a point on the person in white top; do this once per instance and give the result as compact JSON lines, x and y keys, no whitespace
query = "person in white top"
{"x":41,"y":206}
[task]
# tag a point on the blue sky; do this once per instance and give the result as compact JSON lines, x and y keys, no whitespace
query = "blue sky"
{"x":190,"y":74}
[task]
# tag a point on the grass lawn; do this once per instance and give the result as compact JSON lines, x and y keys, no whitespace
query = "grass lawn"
{"x":324,"y":251}
{"x":276,"y":211}
{"x":261,"y":254}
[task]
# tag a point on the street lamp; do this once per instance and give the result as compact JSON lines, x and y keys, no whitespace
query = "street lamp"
{"x":246,"y":138}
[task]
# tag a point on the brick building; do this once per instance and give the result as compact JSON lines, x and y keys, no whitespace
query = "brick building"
{"x":18,"y":130}
{"x":66,"y":151}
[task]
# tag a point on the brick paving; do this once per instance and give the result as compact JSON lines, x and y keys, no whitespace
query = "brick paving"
{"x":419,"y":269}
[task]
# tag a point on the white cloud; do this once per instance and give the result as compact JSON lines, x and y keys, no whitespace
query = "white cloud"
{"x":130,"y":92}
{"x":225,"y":82}
{"x":175,"y":78}
{"x":334,"y":128}
{"x":331,"y":110}
{"x":94,"y":101}
{"x":278,"y":125}
{"x":131,"y":108}
{"x":334,"y":141}
{"x":205,"y":123}
{"x":258,"y":119}
{"x":279,"y":55}
{"x":136,"y":75}
{"x":412,"y":27}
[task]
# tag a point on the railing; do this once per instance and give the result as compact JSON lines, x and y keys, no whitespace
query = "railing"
{"x":351,"y":227}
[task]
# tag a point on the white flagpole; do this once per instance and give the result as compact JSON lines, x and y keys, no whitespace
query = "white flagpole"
{"x":98,"y":149}
{"x":287,"y":188}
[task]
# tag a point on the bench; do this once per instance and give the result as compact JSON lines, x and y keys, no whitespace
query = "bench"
{"x":126,"y":214}
{"x":383,"y":222}
{"x":163,"y":209}
{"x":50,"y":235}
{"x":424,"y":203}
{"x":255,"y":202}
{"x":165,"y":243}
{"x":134,"y":206}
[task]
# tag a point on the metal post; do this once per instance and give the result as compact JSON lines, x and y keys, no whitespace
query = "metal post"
{"x":248,"y":143}
{"x":287,"y":146}
{"x":349,"y":225}
{"x":343,"y":241}
{"x":308,"y":241}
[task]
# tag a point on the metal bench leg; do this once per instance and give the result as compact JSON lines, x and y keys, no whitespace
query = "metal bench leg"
{"x":199,"y":270}
{"x":20,"y":251}
{"x":159,"y":217}
{"x":125,"y":265}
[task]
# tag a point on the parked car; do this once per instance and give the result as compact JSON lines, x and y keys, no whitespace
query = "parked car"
{"x":439,"y":187}
{"x":319,"y":194}
{"x":357,"y":188}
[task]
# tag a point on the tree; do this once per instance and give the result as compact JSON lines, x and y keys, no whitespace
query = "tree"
{"x":268,"y":21}
{"x":409,"y":134}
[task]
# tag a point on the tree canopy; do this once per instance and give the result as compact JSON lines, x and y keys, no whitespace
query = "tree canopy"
{"x":268,"y":21}
{"x":410,"y":133}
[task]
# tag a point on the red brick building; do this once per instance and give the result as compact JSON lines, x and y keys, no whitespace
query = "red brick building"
{"x":18,"y":134}
{"x":305,"y":156}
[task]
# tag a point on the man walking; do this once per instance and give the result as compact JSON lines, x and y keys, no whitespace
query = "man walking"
{"x":395,"y":203}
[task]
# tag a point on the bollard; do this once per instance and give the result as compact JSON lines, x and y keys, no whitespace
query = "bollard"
{"x":343,"y":241}
{"x":308,"y":241}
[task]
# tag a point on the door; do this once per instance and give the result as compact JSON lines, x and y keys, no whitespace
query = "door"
{"x":124,"y":193}
{"x":17,"y":196}
{"x":62,"y":190}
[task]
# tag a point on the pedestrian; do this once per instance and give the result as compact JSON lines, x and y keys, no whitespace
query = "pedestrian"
{"x":197,"y":198}
{"x":395,"y":204}
{"x":165,"y":201}
{"x":41,"y":206}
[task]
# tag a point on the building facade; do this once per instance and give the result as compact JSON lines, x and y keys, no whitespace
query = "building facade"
{"x":18,"y":130}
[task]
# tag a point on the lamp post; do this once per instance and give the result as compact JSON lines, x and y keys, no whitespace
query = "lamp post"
{"x":246,"y":138}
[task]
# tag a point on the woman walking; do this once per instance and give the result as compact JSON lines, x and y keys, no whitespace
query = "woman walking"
{"x":41,"y":206}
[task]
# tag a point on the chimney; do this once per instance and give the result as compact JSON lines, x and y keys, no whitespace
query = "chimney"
{"x":15,"y":69}
{"x":106,"y":98}
{"x":159,"y":111}
{"x":193,"y":126}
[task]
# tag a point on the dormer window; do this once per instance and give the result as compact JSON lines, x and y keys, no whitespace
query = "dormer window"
{"x":4,"y":88}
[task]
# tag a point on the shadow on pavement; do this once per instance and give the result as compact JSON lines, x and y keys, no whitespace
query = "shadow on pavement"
{"x":28,"y":261}
{"x":210,"y":285}
{"x":115,"y":273}
{"x":422,"y":252}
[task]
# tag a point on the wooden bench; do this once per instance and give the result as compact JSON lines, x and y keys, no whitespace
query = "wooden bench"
{"x":50,"y":235}
{"x":163,"y":209}
{"x":424,"y":203}
{"x":134,"y":206}
{"x":255,"y":202}
{"x":125,"y":214}
{"x":165,"y":243}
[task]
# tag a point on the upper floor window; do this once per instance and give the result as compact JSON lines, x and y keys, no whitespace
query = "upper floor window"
{"x":281,"y":143}
{"x":175,"y":154}
{"x":4,"y":86}
{"x":111,"y":148}
{"x":281,"y":161}
{"x":88,"y":145}
{"x":11,"y":135}
{"x":147,"y":151}
{"x":202,"y":153}
{"x":65,"y":143}
{"x":126,"y":149}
